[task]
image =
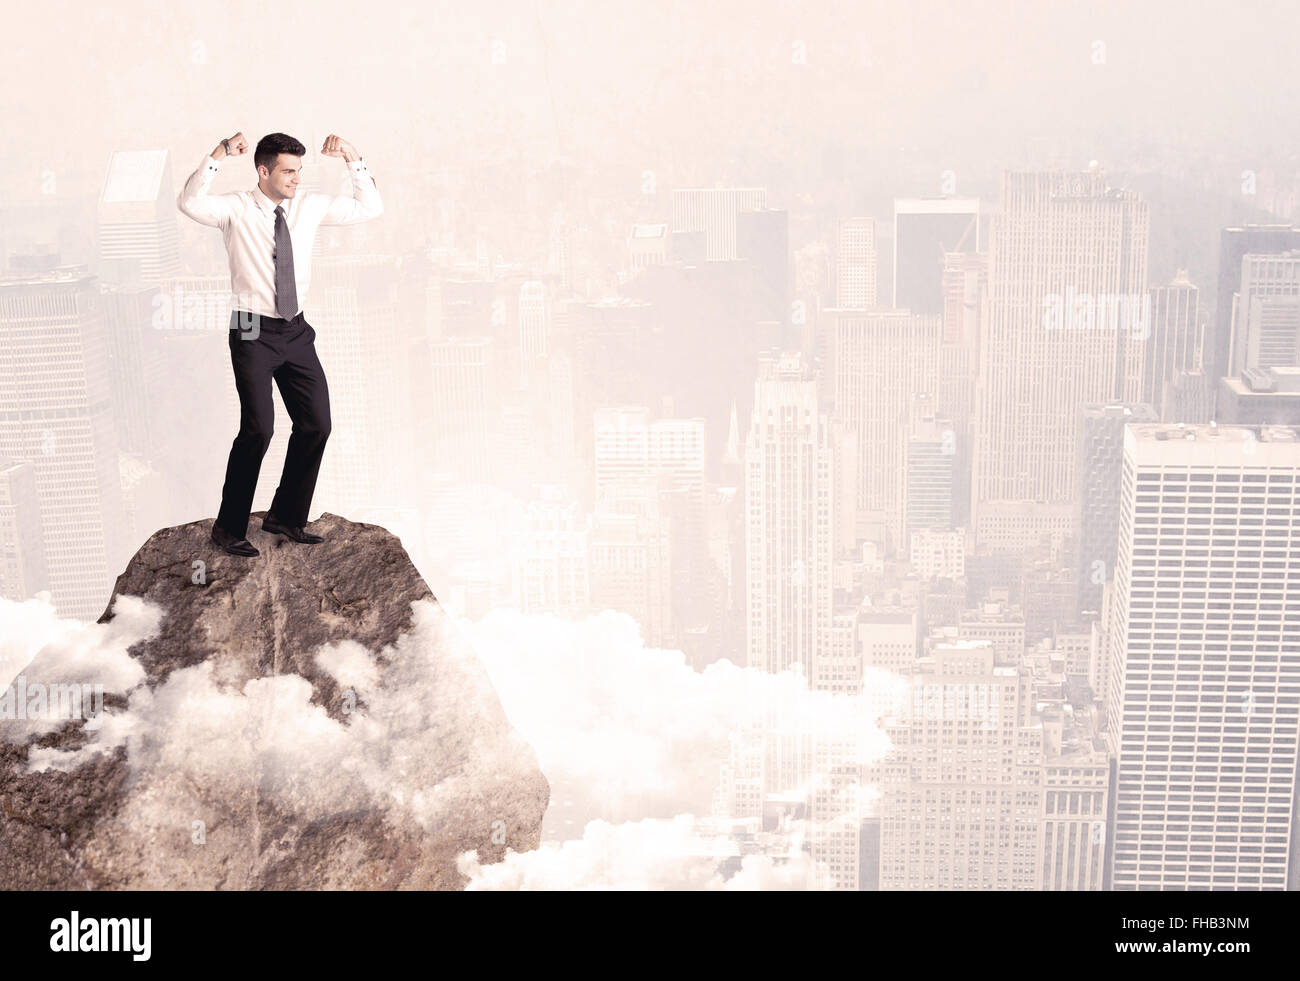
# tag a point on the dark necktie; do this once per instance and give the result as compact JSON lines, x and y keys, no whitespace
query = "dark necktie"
{"x":286,"y":292}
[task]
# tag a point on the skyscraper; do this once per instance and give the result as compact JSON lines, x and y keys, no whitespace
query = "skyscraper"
{"x":1067,"y":326}
{"x":1203,"y":698}
{"x":55,"y":412}
{"x":138,"y":236}
{"x":669,"y":454}
{"x":1101,"y":454}
{"x":1176,"y":339}
{"x":965,"y":299}
{"x":789,"y":480}
{"x":136,"y":365}
{"x":790,"y":477}
{"x":883,"y":361}
{"x":855,"y":264}
{"x":22,"y":557}
{"x":929,"y":474}
{"x":925,"y":231}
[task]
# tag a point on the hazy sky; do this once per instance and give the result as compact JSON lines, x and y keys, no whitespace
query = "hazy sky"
{"x":677,"y":86}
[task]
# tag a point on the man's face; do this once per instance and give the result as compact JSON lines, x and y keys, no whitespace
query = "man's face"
{"x":283,"y":179}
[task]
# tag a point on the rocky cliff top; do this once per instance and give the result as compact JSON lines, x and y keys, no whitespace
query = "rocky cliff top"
{"x":305,"y":718}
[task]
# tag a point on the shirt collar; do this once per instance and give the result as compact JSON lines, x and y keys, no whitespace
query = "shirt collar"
{"x":267,"y":205}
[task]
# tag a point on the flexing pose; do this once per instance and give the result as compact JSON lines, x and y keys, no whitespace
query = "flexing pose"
{"x":268,"y":233}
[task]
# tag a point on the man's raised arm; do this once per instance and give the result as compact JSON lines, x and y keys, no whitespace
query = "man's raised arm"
{"x":364,"y":201}
{"x":195,"y":201}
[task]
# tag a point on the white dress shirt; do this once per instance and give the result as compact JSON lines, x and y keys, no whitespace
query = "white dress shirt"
{"x":247,"y":222}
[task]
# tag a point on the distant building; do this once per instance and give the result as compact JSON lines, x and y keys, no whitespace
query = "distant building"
{"x":925,"y":231}
{"x":1234,"y":244}
{"x":1101,"y":455}
{"x":139,"y":239}
{"x":22,"y":554}
{"x":55,"y":412}
{"x":855,"y":264}
{"x":713,"y":211}
{"x":1266,"y":313}
{"x":1067,"y":327}
{"x":1176,"y":338}
{"x":647,"y":245}
{"x":1261,"y":395}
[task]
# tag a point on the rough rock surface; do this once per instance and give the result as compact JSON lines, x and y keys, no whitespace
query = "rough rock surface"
{"x":422,"y":762}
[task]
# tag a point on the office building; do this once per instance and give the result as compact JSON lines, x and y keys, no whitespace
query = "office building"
{"x":1067,"y":326}
{"x":926,"y":230}
{"x":1203,"y":699}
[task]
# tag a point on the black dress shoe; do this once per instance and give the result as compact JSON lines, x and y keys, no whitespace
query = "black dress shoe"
{"x":233,"y":545}
{"x":271,"y":524}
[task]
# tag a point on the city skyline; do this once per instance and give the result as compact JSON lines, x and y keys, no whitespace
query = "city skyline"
{"x":851,"y":489}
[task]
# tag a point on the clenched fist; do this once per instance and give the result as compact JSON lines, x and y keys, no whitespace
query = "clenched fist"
{"x":336,"y":146}
{"x":238,"y":147}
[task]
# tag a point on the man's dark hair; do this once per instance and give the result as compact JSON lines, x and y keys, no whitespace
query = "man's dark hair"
{"x":272,"y":145}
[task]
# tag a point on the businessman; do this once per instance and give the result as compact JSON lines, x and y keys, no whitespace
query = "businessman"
{"x":268,"y":233}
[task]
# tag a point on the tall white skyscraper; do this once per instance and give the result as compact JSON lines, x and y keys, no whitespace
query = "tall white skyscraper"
{"x":1067,"y":325}
{"x":855,"y":264}
{"x":883,"y":361}
{"x":794,"y":459}
{"x":789,"y":481}
{"x":1203,"y":697}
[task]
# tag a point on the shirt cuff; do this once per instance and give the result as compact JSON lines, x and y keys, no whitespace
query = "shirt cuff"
{"x":210,"y":162}
{"x":358,"y":167}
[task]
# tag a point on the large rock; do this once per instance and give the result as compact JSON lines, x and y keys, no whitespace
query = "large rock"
{"x":303,"y":719}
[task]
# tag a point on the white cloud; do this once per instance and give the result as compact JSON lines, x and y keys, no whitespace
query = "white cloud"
{"x":650,"y":854}
{"x":36,"y":646}
{"x":632,"y":739}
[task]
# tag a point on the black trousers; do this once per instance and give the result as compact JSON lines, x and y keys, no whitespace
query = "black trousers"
{"x":263,"y":348}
